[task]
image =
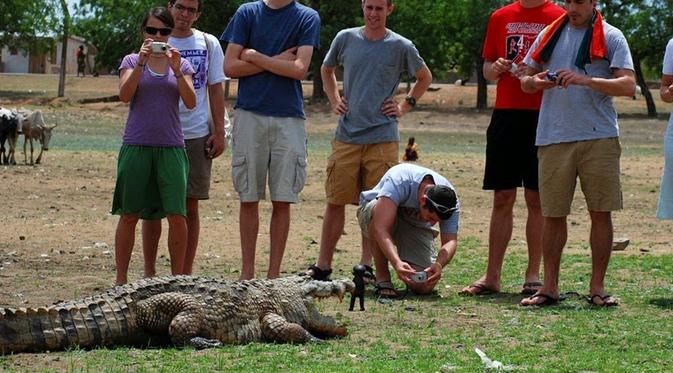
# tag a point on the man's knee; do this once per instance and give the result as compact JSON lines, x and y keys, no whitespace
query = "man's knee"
{"x":192,"y":208}
{"x":504,"y":199}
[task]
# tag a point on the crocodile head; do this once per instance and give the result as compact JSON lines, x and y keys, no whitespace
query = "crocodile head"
{"x":326,"y":289}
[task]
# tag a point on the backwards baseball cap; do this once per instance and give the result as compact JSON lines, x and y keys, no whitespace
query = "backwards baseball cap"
{"x":442,"y":200}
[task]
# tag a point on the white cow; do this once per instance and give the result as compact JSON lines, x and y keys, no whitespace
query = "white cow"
{"x":34,"y":128}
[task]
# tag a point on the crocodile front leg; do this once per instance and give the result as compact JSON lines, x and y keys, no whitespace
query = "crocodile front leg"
{"x":277,"y":329}
{"x":324,"y":326}
{"x":176,"y":314}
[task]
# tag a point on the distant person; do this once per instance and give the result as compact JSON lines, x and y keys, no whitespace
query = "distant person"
{"x":411,"y":151}
{"x":366,"y":142}
{"x":578,"y":135}
{"x":511,"y":154}
{"x":397,"y":218}
{"x":665,"y":207}
{"x":203,"y":144}
{"x":81,"y":61}
{"x":270,"y":47}
{"x":152,"y":165}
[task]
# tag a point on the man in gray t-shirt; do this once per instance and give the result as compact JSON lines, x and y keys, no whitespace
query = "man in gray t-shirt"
{"x":366,"y":144}
{"x":397,"y":217}
{"x":578,"y":135}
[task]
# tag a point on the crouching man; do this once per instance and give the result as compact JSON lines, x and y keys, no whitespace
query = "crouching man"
{"x":397,"y":218}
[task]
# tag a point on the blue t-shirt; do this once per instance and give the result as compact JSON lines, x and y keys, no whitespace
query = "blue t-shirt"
{"x":400,"y":183}
{"x":271,"y":32}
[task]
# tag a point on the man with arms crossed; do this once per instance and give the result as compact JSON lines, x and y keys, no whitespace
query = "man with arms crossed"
{"x":396,"y":218}
{"x":270,"y":47}
{"x":578,"y":135}
{"x":367,"y":138}
{"x":511,"y":155}
{"x":207,"y":59}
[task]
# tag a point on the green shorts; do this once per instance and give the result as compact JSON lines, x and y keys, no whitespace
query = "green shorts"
{"x":151,"y":182}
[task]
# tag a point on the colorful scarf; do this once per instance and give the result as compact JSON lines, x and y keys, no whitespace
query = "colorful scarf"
{"x":593,"y":46}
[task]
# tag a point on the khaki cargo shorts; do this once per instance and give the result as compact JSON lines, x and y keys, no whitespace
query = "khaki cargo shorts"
{"x":414,"y":238}
{"x":272,"y":146}
{"x":200,"y":166}
{"x":352,"y":168}
{"x":596,"y":162}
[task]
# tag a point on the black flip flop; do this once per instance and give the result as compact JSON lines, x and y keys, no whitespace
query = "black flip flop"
{"x":591,"y":299}
{"x":482,"y":290}
{"x":548,"y":300}
{"x":530,"y":288}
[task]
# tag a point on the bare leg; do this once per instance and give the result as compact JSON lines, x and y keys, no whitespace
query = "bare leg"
{"x":533,"y":235}
{"x":554,"y":236}
{"x":124,"y":241}
{"x":500,"y":232}
{"x":367,"y":256}
{"x":332,"y":227}
{"x":151,"y":233}
{"x":280,"y":227}
{"x":248,"y":228}
{"x":601,"y":249}
{"x":177,"y":242}
{"x":380,"y":261}
{"x":193,"y":227}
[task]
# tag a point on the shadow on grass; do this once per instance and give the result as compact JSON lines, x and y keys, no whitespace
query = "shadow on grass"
{"x":665,"y":303}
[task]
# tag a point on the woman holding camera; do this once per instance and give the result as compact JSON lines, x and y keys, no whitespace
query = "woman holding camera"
{"x":152,"y":166}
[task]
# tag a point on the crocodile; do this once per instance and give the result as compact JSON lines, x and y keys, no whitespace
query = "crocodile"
{"x":200,"y":312}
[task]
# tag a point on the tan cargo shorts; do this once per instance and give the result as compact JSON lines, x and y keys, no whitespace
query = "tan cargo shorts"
{"x":596,"y":162}
{"x":414,"y":238}
{"x":352,"y":168}
{"x":272,"y":146}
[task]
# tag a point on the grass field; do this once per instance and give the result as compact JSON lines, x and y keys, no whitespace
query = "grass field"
{"x":60,"y":210}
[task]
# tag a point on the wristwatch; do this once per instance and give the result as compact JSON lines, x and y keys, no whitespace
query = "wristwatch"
{"x":410,"y":100}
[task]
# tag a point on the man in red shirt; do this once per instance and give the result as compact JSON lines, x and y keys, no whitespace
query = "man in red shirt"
{"x":511,"y":155}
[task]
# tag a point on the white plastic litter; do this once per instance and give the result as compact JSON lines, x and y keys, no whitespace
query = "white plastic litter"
{"x":492,"y":364}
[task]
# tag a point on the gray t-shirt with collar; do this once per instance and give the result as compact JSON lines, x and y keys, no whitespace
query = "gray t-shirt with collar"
{"x":372,"y":71}
{"x":579,"y":113}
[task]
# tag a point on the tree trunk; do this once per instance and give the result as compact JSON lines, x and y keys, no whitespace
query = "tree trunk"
{"x":64,"y":48}
{"x":316,"y":63}
{"x":482,"y":87}
{"x":640,"y":80}
{"x":318,"y":92}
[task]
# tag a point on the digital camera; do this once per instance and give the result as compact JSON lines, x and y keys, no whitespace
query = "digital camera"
{"x":159,"y":47}
{"x":421,"y":276}
{"x":552,"y":76}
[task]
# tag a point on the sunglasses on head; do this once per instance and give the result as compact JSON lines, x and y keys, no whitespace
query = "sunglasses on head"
{"x":440,"y":208}
{"x":164,"y":31}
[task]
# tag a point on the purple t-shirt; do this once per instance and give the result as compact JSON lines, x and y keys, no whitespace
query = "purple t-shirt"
{"x":153,"y":116}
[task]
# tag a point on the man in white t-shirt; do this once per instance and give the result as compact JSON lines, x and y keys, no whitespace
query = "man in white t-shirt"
{"x":202,"y":142}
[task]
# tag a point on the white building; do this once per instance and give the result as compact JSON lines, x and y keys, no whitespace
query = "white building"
{"x":13,"y":60}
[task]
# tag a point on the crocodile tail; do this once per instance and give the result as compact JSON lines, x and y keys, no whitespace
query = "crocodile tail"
{"x":100,"y":321}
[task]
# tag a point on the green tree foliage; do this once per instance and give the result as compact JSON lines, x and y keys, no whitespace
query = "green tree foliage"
{"x":113,"y":26}
{"x":648,"y":25}
{"x":25,"y":22}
